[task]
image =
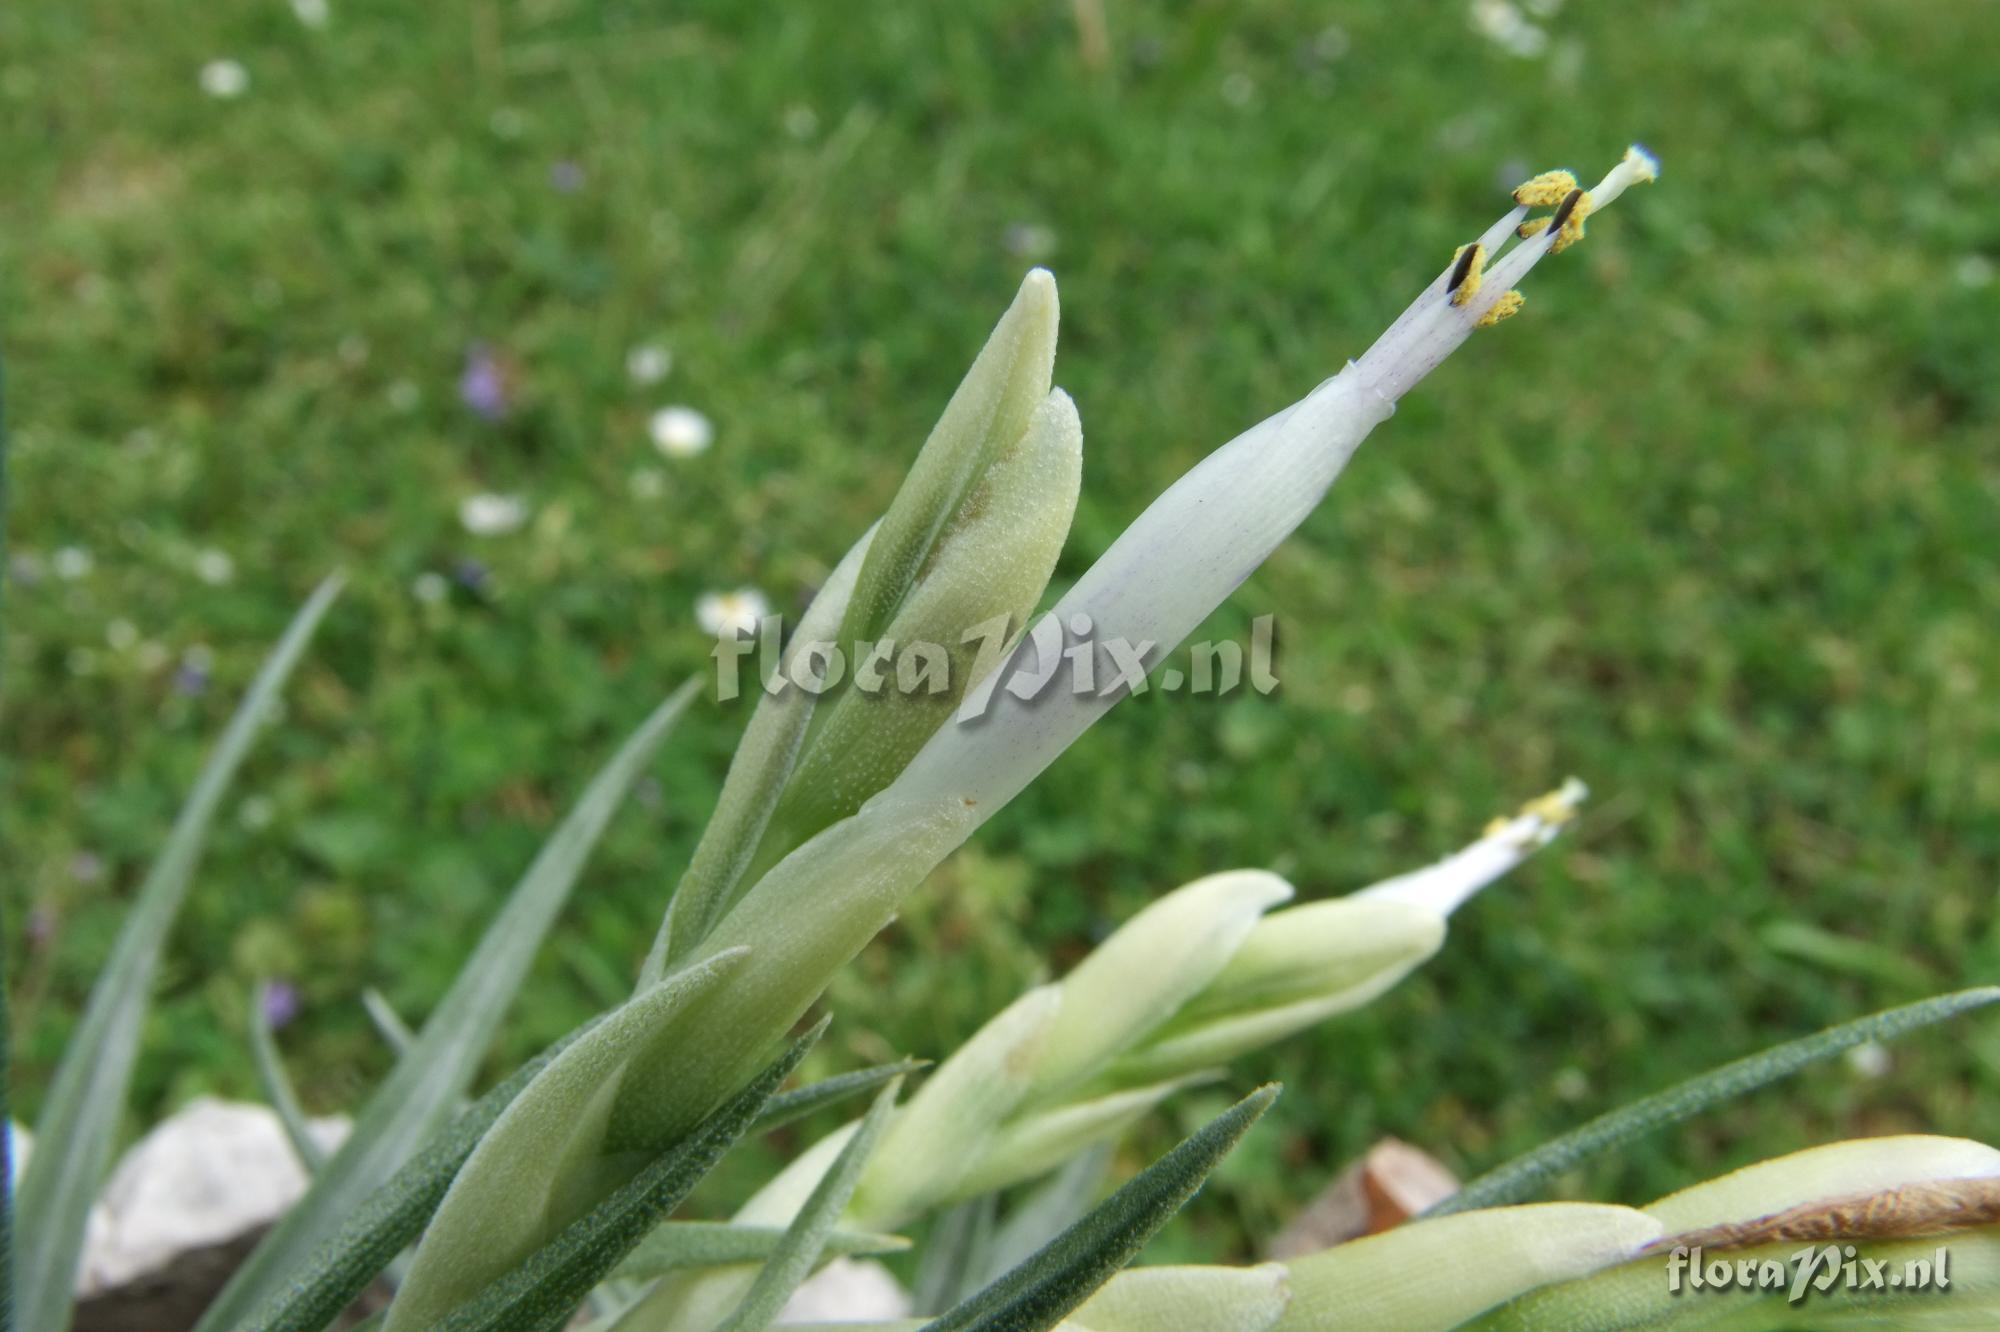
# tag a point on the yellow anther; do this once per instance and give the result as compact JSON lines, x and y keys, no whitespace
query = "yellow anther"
{"x":1495,"y":827}
{"x":1532,"y":227}
{"x":1546,"y":190}
{"x":1557,"y":807}
{"x":1503,"y":308}
{"x":1466,"y":263}
{"x":1572,"y":227}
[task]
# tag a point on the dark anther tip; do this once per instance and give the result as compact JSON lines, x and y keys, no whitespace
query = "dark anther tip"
{"x":1564,"y":209}
{"x":1462,"y":269}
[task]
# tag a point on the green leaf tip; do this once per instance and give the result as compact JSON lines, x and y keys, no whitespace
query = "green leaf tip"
{"x":1039,"y":1293}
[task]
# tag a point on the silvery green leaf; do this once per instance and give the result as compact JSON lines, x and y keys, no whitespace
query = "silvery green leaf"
{"x":389,"y":1219}
{"x":277,"y":1085}
{"x":698,"y":1301}
{"x":676,"y":1246}
{"x":1042,"y":1291}
{"x":1031,"y":1221}
{"x":429,"y":1082}
{"x":80,"y":1114}
{"x":542,"y":1165}
{"x":805,"y":1239}
{"x":1211,"y":1299}
{"x":1427,"y":1276}
{"x":389,"y":1024}
{"x":809,"y":915}
{"x":541,"y":1291}
{"x":757,"y":776}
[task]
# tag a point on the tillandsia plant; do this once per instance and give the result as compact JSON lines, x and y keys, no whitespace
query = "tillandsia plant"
{"x":555,"y":1190}
{"x":753,"y":945}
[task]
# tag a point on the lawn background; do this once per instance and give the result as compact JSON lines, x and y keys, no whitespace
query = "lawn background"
{"x":1711,"y":525}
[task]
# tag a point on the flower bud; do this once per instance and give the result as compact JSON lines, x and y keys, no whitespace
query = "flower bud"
{"x":1437,"y":1274}
{"x":1148,"y":969}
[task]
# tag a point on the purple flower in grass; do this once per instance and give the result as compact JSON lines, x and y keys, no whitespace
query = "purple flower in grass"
{"x":483,"y":385}
{"x":279,"y":1000}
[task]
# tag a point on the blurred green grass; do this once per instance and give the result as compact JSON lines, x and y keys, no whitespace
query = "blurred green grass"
{"x":1712,"y":524}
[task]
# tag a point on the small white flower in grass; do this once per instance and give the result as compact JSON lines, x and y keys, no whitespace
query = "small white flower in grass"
{"x":430,"y":587}
{"x":681,"y":432}
{"x":801,"y":121}
{"x":312,"y":13}
{"x":1502,"y":23}
{"x":648,"y":363}
{"x":225,"y":78}
{"x":1870,"y":1060}
{"x":492,"y":515}
{"x":214,"y":567}
{"x":733,"y":613}
{"x":71,"y":562}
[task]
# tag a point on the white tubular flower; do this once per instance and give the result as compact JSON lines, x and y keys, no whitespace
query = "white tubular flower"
{"x":1213,"y":527}
{"x":1446,"y":886}
{"x":1300,"y":966}
{"x":817,"y":907}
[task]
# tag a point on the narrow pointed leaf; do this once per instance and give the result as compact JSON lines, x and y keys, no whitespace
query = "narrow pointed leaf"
{"x":389,"y":1219}
{"x":1045,"y":1211}
{"x":544,"y":1291}
{"x":1521,"y":1176}
{"x":1040,"y":1292}
{"x":757,"y":776}
{"x":805,"y":1238}
{"x":278,"y":1085}
{"x":676,"y":1246}
{"x":787,"y":1107}
{"x":543,"y":1165}
{"x":80,"y":1116}
{"x":430,"y":1080}
{"x":388,"y":1022}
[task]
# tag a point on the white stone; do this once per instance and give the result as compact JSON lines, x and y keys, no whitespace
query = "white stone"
{"x":209,"y":1174}
{"x":847,"y":1290}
